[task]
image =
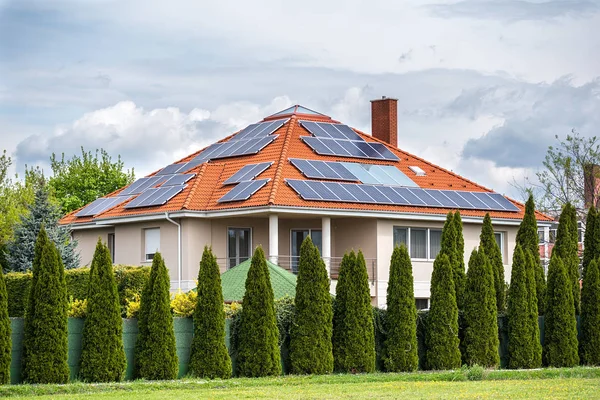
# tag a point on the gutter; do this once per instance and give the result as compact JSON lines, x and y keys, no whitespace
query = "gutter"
{"x":179,"y":266}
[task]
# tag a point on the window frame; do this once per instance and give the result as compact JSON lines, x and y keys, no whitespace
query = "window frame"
{"x":145,"y":255}
{"x":237,"y":257}
{"x":502,"y":241}
{"x":427,"y":299}
{"x":294,"y":263}
{"x":110,"y":243}
{"x":408,"y":240}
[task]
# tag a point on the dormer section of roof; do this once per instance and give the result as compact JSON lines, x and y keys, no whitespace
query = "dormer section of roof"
{"x":300,"y":112}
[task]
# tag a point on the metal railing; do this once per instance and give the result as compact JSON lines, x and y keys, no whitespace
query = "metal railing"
{"x":290,"y":263}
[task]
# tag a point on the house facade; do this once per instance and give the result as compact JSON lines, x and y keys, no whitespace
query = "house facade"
{"x":294,"y":174}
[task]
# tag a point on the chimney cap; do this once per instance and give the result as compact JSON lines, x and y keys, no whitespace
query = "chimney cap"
{"x":384,"y":98}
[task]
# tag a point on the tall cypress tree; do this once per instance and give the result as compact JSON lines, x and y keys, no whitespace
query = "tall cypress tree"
{"x":102,"y":353}
{"x":209,"y":357}
{"x":520,"y":346}
{"x":448,"y":246}
{"x":459,"y":266}
{"x":481,"y":317}
{"x":311,"y":349}
{"x":442,"y":340}
{"x":45,"y":333}
{"x":5,"y":331}
{"x":589,"y":346}
{"x":258,"y":348}
{"x":353,"y":332}
{"x":534,"y":327}
{"x":566,"y":248}
{"x":492,"y":251}
{"x":590,"y":252}
{"x":560,"y":332}
{"x":400,"y":347}
{"x":528,"y":239}
{"x":156,"y":354}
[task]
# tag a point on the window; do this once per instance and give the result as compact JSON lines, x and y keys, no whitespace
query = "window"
{"x":111,"y":246}
{"x":151,"y":242}
{"x":239,"y":246}
{"x":541,"y":236}
{"x":499,"y":236}
{"x":422,"y":304}
{"x":297,"y":237}
{"x":422,"y":243}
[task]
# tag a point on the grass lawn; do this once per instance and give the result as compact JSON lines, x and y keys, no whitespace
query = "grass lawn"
{"x":576,"y":383}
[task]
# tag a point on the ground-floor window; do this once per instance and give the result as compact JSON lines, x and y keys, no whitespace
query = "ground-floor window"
{"x":297,"y":237}
{"x":239,"y":246}
{"x":422,"y":243}
{"x":111,"y":246}
{"x":422,"y":304}
{"x":499,"y":236}
{"x":151,"y":242}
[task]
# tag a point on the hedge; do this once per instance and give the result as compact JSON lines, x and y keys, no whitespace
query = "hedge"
{"x":130,"y":281}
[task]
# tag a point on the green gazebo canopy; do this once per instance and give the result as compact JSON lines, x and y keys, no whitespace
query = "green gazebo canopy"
{"x":233,"y":281}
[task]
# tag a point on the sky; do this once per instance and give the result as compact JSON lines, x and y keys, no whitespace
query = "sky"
{"x":483,"y":86}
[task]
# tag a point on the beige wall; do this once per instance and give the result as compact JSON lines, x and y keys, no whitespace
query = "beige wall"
{"x":87,"y":239}
{"x":196,"y":233}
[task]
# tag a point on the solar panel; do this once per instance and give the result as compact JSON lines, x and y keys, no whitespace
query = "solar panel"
{"x":170,"y":169}
{"x":243,"y":190}
{"x":323,"y":169}
{"x":143,"y":184}
{"x":349,"y":148}
{"x":317,"y":145}
{"x":155,"y":196}
{"x":328,"y":130}
{"x":259,"y":130}
{"x":384,"y":194}
{"x":487,"y":200}
{"x":247,"y":173}
{"x":177,"y":180}
{"x":102,"y":204}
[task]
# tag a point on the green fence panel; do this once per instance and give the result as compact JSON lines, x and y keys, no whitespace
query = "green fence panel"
{"x":184,"y":332}
{"x":130,"y":333}
{"x":16,"y":325}
{"x":75,"y":329}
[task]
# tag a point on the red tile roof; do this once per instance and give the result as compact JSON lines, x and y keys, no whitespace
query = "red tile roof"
{"x":206,"y":188}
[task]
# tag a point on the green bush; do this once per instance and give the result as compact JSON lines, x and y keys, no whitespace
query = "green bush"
{"x":311,"y":331}
{"x":155,"y":351}
{"x":492,"y":252}
{"x":5,"y":339}
{"x":448,"y":245}
{"x":258,"y":350}
{"x":589,"y":346}
{"x":520,"y":346}
{"x":459,"y":266}
{"x":102,"y":353}
{"x":590,"y":252}
{"x":209,"y":357}
{"x":45,"y":330}
{"x":400,"y":347}
{"x":442,"y":340}
{"x":353,"y":333}
{"x":533,"y":308}
{"x":566,"y":248}
{"x":130,"y":282}
{"x":560,"y":328}
{"x":480,"y":313}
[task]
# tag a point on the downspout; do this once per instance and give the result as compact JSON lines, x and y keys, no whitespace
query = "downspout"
{"x":179,"y":267}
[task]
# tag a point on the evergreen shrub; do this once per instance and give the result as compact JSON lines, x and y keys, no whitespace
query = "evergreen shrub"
{"x":5,"y":332}
{"x":589,"y":346}
{"x":492,"y":251}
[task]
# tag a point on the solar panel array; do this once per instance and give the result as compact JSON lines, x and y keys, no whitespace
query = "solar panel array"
{"x":395,"y":195}
{"x":155,"y":196}
{"x":341,"y":140}
{"x":102,"y":204}
{"x":243,"y":190}
{"x":248,"y":173}
{"x":349,"y":171}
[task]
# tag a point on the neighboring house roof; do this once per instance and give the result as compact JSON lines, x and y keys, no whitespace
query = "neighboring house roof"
{"x":203,"y":191}
{"x":233,"y":282}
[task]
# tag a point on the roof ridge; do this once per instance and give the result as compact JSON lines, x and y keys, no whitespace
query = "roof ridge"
{"x":192,"y":191}
{"x":280,"y":271}
{"x":282,"y":158}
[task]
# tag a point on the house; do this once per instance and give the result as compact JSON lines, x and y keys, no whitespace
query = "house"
{"x":294,"y":174}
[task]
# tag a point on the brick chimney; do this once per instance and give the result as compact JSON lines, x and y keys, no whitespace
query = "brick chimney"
{"x":384,"y":120}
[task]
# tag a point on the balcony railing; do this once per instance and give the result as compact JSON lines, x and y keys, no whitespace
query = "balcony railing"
{"x":290,"y":263}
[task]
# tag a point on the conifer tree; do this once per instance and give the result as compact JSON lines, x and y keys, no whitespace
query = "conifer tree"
{"x":590,"y":252}
{"x":209,"y":357}
{"x":442,"y":340}
{"x":5,"y":332}
{"x":520,"y":346}
{"x":573,"y":271}
{"x":353,"y":332}
{"x":534,"y":327}
{"x":400,"y":347}
{"x":528,"y":239}
{"x":310,"y":336}
{"x":490,"y":247}
{"x":102,"y":353}
{"x":566,"y":248}
{"x":589,"y":346}
{"x":45,"y":332}
{"x":448,"y":246}
{"x":20,"y":252}
{"x":560,"y":332}
{"x":459,"y":267}
{"x":481,"y":317}
{"x":156,"y":355}
{"x":258,"y":348}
